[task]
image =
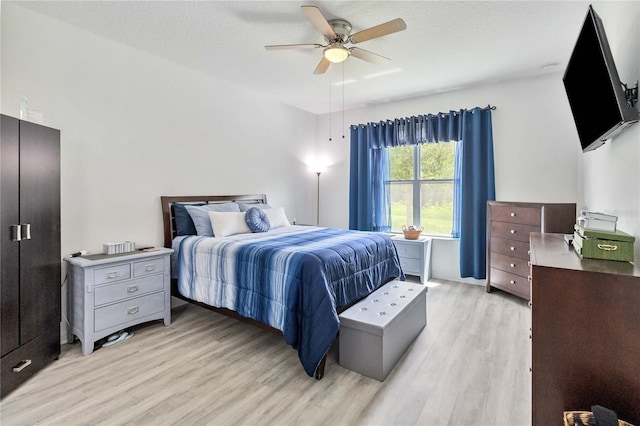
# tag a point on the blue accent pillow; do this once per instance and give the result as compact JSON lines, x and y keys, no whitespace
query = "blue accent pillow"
{"x":257,"y":220}
{"x":184,"y":224}
{"x":200,"y":216}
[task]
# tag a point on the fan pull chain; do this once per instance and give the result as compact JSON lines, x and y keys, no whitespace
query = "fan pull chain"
{"x":343,"y":100}
{"x":330,"y":139}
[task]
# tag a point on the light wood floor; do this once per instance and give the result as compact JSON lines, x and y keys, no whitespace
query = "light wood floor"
{"x":470,"y":366}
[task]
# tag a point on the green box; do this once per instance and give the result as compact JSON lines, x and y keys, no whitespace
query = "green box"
{"x":603,"y":245}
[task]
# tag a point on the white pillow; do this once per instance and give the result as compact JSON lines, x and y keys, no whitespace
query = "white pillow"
{"x":228,"y":223}
{"x":277,"y":217}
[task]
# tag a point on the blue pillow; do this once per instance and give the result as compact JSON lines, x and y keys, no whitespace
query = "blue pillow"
{"x":200,"y":216}
{"x":184,"y":224}
{"x":257,"y":220}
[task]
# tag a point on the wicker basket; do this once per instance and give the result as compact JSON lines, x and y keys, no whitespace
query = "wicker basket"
{"x":586,"y":417}
{"x":411,"y":234}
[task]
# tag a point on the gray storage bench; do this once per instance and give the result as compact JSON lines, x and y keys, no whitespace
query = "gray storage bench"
{"x":375,"y":332}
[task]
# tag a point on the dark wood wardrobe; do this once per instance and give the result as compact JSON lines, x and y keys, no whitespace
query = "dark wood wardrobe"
{"x":29,"y":250}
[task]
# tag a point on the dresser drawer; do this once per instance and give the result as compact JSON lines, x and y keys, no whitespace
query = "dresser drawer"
{"x":112,"y":273}
{"x":513,"y":214}
{"x":518,"y":249}
{"x":129,"y":310}
{"x":151,"y":266}
{"x":511,"y":283}
{"x":410,"y":266}
{"x":513,"y":231}
{"x":409,"y":250}
{"x":510,"y":264}
{"x":127,"y":289}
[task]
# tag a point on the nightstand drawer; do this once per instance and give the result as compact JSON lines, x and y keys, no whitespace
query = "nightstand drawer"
{"x":516,"y":214}
{"x":408,"y":250}
{"x":513,"y":231}
{"x":410,"y":266}
{"x":112,"y":273}
{"x":129,"y":310}
{"x":123,"y":290}
{"x":151,"y":266}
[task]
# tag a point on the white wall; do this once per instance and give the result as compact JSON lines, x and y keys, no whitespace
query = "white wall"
{"x":612,"y":172}
{"x":135,"y":127}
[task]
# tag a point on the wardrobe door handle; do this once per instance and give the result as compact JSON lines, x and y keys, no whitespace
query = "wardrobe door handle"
{"x":16,"y":232}
{"x":27,"y":231}
{"x":23,"y":364}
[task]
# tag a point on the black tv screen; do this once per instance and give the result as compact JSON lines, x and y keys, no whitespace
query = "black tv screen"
{"x":596,"y":95}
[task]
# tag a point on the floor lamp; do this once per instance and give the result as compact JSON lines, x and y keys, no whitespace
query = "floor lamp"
{"x":318,"y":200}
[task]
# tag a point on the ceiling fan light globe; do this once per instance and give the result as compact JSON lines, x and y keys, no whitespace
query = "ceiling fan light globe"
{"x":336,"y":54}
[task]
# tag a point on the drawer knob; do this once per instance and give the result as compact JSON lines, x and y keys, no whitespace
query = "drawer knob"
{"x":113,"y":274}
{"x":513,"y":231}
{"x":23,"y":364}
{"x":132,"y":310}
{"x":529,"y":278}
{"x":513,"y":214}
{"x":132,"y":288}
{"x":149,"y":268}
{"x":512,"y":281}
{"x":512,"y":248}
{"x":513,"y":265}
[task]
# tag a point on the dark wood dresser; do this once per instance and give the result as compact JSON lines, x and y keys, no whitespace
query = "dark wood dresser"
{"x":585,"y":333}
{"x":508,"y":227}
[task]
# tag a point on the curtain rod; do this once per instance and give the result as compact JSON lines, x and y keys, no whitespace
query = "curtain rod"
{"x":491,"y":107}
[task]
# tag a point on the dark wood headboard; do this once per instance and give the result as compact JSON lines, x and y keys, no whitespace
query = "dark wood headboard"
{"x":167,"y":212}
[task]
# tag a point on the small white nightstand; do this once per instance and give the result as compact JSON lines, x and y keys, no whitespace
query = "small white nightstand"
{"x":108,"y":293}
{"x":415,"y":256}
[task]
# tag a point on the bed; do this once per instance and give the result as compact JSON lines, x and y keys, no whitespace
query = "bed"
{"x":291,"y":280}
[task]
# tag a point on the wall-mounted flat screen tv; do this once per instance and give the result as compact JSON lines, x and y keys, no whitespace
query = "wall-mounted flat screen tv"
{"x":596,"y":96}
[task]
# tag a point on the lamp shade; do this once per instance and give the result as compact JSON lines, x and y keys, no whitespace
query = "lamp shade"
{"x":336,"y":54}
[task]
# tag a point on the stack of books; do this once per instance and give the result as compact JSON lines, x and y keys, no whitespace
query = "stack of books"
{"x":597,"y":221}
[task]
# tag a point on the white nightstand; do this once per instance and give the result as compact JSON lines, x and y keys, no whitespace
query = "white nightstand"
{"x":415,"y":256}
{"x":108,"y":293}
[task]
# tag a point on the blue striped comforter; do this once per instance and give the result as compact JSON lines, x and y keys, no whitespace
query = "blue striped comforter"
{"x":293,"y":279}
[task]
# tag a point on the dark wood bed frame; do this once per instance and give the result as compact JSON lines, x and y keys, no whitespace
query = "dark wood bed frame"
{"x":170,"y":233}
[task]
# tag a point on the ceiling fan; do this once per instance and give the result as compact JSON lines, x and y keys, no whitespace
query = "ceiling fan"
{"x":337,"y":33}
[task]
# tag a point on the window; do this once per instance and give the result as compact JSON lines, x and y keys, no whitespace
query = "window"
{"x":421,"y":187}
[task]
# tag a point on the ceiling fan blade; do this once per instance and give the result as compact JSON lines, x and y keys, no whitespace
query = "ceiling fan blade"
{"x":323,"y":66}
{"x":379,"y":30}
{"x":317,"y":18}
{"x":371,"y":57}
{"x":292,"y":46}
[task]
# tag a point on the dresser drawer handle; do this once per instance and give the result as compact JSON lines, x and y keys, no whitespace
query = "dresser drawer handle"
{"x":132,"y":310}
{"x":529,"y":278}
{"x":23,"y":364}
{"x":113,"y":274}
{"x":512,"y":281}
{"x":149,"y":268}
{"x":512,"y":248}
{"x":513,"y":214}
{"x":513,"y":265}
{"x":513,"y":231}
{"x":132,"y":288}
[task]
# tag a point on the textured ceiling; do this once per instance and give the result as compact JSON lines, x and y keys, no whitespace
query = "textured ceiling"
{"x":447,"y":45}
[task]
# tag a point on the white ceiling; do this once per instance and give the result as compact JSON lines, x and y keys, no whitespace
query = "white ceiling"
{"x":447,"y":45}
